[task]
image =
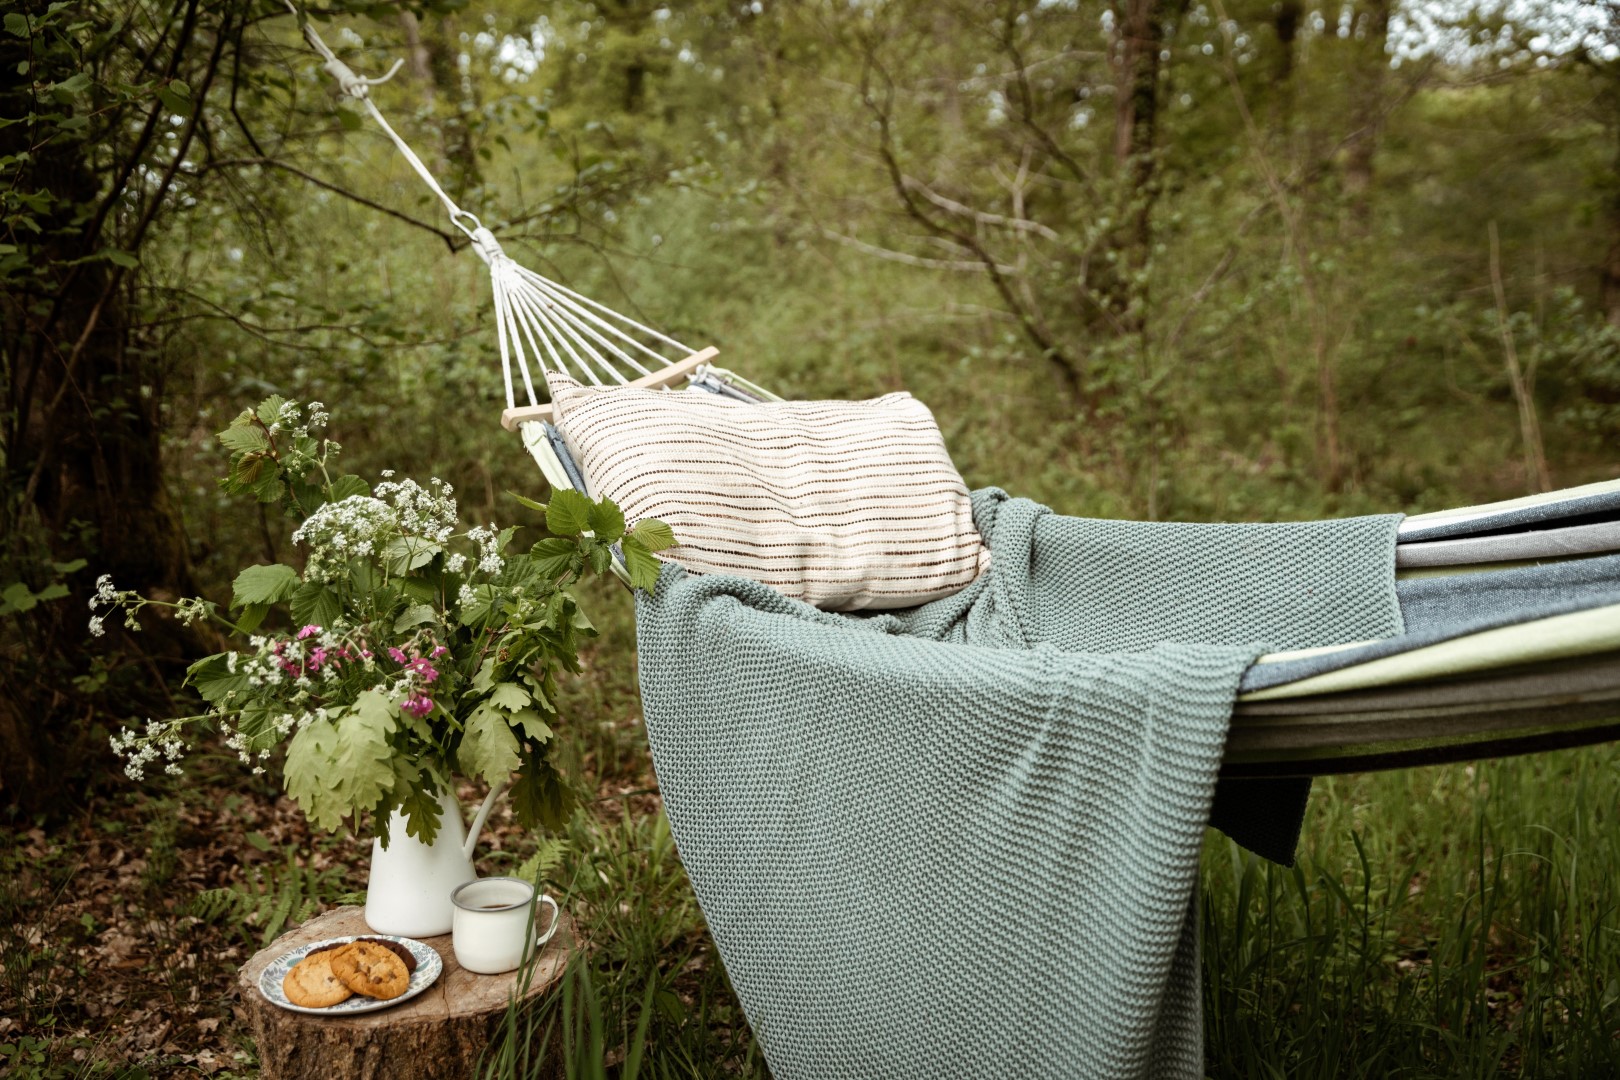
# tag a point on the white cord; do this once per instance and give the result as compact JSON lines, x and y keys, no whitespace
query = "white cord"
{"x":528,"y":307}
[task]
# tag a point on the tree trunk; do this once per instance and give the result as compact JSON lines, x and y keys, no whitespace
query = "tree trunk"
{"x":438,"y":1035}
{"x":418,"y":60}
{"x":1611,"y":261}
{"x":1367,"y":116}
{"x":83,"y":468}
{"x":456,"y":129}
{"x":1286,"y":24}
{"x":1139,"y":40}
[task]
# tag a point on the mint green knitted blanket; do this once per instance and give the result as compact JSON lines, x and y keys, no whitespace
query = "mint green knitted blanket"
{"x":963,"y":840}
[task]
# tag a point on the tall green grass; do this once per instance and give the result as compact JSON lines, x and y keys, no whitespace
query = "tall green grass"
{"x":1451,"y":922}
{"x":645,"y":995}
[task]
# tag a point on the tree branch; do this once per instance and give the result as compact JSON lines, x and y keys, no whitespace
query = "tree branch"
{"x":451,"y":240}
{"x":1066,"y":367}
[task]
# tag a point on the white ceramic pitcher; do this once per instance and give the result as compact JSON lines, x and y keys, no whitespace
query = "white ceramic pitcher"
{"x":410,"y":885}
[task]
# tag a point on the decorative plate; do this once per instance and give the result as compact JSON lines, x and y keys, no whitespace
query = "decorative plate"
{"x":428,"y":967}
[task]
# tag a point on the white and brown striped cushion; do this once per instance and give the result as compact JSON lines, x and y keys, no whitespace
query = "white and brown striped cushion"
{"x":844,"y":504}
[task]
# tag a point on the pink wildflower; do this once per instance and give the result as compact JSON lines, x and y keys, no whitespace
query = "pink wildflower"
{"x":308,"y":631}
{"x":424,"y":669}
{"x":399,"y":657}
{"x":417,"y":705}
{"x":317,"y":657}
{"x":438,"y":651}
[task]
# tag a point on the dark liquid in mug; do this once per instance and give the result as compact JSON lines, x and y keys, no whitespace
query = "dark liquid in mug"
{"x":492,"y":907}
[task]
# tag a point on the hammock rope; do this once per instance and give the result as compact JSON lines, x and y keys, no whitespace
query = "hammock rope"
{"x":536,"y":319}
{"x":1481,"y":713}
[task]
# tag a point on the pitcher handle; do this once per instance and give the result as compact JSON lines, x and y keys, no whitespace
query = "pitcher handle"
{"x":477,"y":826}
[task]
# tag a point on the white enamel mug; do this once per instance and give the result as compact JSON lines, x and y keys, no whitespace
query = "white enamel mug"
{"x":492,"y":929}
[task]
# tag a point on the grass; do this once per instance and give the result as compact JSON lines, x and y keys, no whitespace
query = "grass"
{"x":1460,"y":921}
{"x":1449,"y":922}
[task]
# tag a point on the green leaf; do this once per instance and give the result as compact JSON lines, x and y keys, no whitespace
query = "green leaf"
{"x":214,"y":680}
{"x":269,"y":410}
{"x":251,"y":618}
{"x":531,"y":724}
{"x":488,"y":747}
{"x":568,"y":513}
{"x":485,"y":676}
{"x":16,"y":24}
{"x":73,"y":84}
{"x":415,"y":615}
{"x":54,"y":591}
{"x":119,"y":258}
{"x":509,"y":696}
{"x":407,"y":553}
{"x":423,"y":592}
{"x":264,"y":585}
{"x":653,"y":534}
{"x":69,"y":567}
{"x":211,"y":674}
{"x":417,"y":797}
{"x":420,"y":804}
{"x":642,"y":565}
{"x":314,"y":603}
{"x":530,"y":503}
{"x":247,"y":470}
{"x":18,"y":597}
{"x":336,"y":769}
{"x":554,"y":556}
{"x":607,"y":521}
{"x":601,"y":557}
{"x":538,"y":797}
{"x":347,"y":486}
{"x":178,"y":104}
{"x":268,"y":488}
{"x":309,"y":758}
{"x":547,"y":857}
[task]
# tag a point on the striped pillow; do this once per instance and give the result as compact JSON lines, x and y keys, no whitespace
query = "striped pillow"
{"x":843,"y":504}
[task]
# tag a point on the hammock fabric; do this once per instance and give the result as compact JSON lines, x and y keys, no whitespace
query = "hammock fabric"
{"x":963,"y":840}
{"x":1524,"y":678}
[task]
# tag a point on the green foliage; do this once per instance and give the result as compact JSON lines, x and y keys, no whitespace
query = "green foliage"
{"x":587,"y":534}
{"x":434,"y":651}
{"x":1436,"y":925}
{"x":650,"y":993}
{"x":718,"y":171}
{"x":548,"y":855}
{"x":264,"y":585}
{"x":273,"y":896}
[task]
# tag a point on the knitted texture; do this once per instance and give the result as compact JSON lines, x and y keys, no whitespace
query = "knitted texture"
{"x":948,"y":843}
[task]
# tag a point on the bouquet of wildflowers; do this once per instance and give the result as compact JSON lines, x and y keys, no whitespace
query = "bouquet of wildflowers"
{"x":406,"y":648}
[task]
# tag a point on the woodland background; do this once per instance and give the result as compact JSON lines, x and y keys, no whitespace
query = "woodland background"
{"x":1167,"y":259}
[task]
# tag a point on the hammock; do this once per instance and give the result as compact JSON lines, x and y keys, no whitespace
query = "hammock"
{"x":1512,"y":608}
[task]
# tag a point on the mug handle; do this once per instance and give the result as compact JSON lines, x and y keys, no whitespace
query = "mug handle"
{"x":556,"y":917}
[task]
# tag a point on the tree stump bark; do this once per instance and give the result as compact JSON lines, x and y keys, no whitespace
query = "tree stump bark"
{"x":440,"y":1033}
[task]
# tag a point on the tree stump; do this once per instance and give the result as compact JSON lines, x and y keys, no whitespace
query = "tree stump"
{"x":440,"y":1033}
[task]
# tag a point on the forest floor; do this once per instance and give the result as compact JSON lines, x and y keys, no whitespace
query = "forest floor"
{"x":1441,"y":922}
{"x":109,"y":961}
{"x":122,"y":929}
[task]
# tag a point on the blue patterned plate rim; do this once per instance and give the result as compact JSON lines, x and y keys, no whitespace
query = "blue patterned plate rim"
{"x":428,"y":966}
